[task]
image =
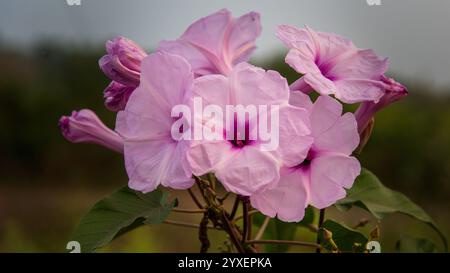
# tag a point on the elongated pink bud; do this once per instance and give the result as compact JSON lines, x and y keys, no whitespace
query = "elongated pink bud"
{"x":116,"y":96}
{"x":122,"y":63}
{"x":84,"y":126}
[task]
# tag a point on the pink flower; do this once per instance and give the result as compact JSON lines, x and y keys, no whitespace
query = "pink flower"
{"x":152,"y":156}
{"x":320,"y":179}
{"x":122,"y":64}
{"x":214,"y":44}
{"x":393,"y":92}
{"x":332,"y":64}
{"x":238,"y":160}
{"x":85,"y":126}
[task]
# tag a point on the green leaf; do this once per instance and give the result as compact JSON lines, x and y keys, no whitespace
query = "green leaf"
{"x":346,"y":239}
{"x":120,"y":212}
{"x":409,"y":244}
{"x":370,"y":194}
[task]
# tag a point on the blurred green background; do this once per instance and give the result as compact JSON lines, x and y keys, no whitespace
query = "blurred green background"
{"x":47,"y":184}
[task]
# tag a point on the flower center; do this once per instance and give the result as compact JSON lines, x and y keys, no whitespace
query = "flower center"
{"x":307,"y":161}
{"x":241,"y":134}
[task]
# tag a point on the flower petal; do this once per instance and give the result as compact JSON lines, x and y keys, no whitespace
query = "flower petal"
{"x":288,"y":199}
{"x":206,"y":156}
{"x":325,"y":112}
{"x":341,"y":137}
{"x":320,"y":83}
{"x":301,"y":59}
{"x":213,"y":89}
{"x":329,"y":176}
{"x":169,"y":77}
{"x":255,"y":86}
{"x":360,"y":64}
{"x":357,"y":90}
{"x":178,"y":174}
{"x":152,"y":123}
{"x":248,"y":171}
{"x":301,"y":100}
{"x":147,"y":163}
{"x":294,"y":130}
{"x":243,"y":34}
{"x":199,"y":62}
{"x":208,"y":32}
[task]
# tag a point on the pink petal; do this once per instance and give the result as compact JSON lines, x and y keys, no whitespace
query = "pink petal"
{"x":324,"y":114}
{"x":357,"y":90}
{"x":289,"y":35}
{"x":320,"y":83}
{"x":341,"y":137}
{"x":288,"y":199}
{"x":302,"y":59}
{"x":147,"y":163}
{"x":140,"y":122}
{"x":329,"y":176}
{"x":301,"y":100}
{"x":206,"y":156}
{"x":360,"y":64}
{"x":254,"y":86}
{"x":178,"y":174}
{"x":248,"y":170}
{"x":294,"y":130}
{"x":243,"y":34}
{"x":170,"y":76}
{"x":208,"y":32}
{"x":199,"y":62}
{"x":213,"y":89}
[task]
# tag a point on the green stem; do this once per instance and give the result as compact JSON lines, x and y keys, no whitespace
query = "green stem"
{"x":321,"y":220}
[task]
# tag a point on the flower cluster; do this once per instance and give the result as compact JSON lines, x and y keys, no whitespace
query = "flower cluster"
{"x":313,"y":162}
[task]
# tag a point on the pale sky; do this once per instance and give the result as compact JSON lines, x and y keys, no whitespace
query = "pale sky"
{"x":414,"y":34}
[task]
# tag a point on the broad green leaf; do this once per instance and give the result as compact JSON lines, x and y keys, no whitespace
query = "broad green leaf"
{"x":409,"y":244}
{"x":118,"y":213}
{"x":370,"y":194}
{"x":279,"y":230}
{"x":346,"y":239}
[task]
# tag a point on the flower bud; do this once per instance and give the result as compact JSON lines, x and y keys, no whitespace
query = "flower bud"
{"x":122,"y":63}
{"x":116,"y":96}
{"x":85,"y":126}
{"x":394,"y":92}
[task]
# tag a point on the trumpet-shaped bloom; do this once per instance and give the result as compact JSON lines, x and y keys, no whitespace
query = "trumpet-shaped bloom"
{"x":320,"y":179}
{"x":84,"y":126}
{"x":239,"y":161}
{"x":332,"y":64}
{"x":152,"y":156}
{"x":122,"y":64}
{"x":215,"y":43}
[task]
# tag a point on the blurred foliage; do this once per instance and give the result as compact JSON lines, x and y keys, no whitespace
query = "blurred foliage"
{"x":45,"y":179}
{"x":36,"y":88}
